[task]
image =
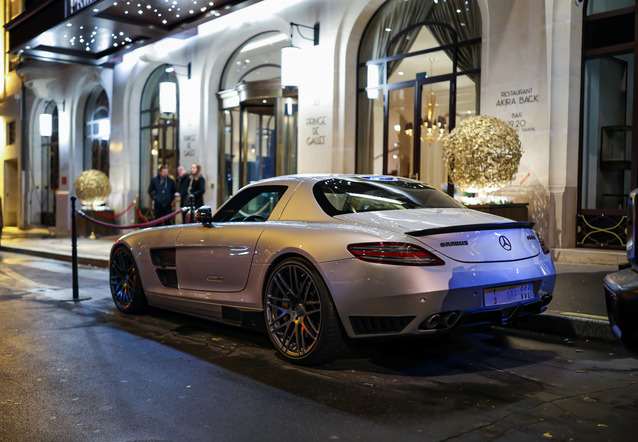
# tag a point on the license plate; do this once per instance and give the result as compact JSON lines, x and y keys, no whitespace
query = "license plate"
{"x":508,"y":294}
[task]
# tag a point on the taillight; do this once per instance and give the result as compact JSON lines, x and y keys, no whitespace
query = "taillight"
{"x":542,"y":243}
{"x":394,"y":253}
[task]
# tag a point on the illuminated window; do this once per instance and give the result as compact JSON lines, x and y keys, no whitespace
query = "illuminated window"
{"x":97,"y":131}
{"x":418,"y":76}
{"x":159,"y":132}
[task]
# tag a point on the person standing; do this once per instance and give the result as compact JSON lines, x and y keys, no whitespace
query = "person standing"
{"x":196,"y":186}
{"x":182,"y":190}
{"x":162,"y":191}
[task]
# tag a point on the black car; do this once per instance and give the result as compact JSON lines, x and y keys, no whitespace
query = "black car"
{"x":621,"y":288}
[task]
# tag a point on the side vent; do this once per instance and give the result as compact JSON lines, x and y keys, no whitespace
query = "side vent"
{"x":164,"y":262}
{"x":370,"y":325}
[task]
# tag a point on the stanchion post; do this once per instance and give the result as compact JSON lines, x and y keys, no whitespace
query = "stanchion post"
{"x":192,"y":208}
{"x":74,"y":250}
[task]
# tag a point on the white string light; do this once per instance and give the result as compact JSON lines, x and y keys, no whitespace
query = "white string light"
{"x":102,"y":38}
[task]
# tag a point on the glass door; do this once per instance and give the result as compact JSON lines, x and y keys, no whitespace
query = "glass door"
{"x":259,"y":142}
{"x":50,"y":170}
{"x":159,"y":135}
{"x":417,"y":124}
{"x":164,"y":147}
{"x":400,"y":155}
{"x":435,"y":119}
{"x":259,"y":134}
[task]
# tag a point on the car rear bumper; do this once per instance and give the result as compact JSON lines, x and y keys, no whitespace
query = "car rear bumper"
{"x":621,"y":297}
{"x":384,"y":300}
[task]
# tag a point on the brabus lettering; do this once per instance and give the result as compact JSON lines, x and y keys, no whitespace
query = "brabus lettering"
{"x":454,"y":243}
{"x":531,"y":237}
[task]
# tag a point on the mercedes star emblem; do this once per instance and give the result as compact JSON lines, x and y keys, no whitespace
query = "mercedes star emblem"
{"x":505,"y":243}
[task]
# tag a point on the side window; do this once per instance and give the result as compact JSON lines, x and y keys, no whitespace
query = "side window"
{"x":251,"y":205}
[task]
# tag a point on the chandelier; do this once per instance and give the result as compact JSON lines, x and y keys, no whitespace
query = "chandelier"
{"x":433,"y":127}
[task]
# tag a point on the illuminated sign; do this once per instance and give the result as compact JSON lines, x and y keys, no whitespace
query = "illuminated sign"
{"x":73,"y":6}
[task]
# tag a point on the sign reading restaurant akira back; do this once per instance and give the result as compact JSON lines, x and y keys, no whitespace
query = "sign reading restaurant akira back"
{"x":73,"y":6}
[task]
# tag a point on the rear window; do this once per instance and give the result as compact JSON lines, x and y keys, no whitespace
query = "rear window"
{"x":342,"y":196}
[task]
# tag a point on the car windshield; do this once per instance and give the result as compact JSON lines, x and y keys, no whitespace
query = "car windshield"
{"x":339,"y":196}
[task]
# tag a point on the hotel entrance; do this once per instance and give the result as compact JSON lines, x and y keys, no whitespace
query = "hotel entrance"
{"x":259,"y":134}
{"x":259,"y":117}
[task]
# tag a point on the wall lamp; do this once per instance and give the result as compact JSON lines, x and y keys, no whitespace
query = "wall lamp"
{"x":45,"y":119}
{"x":291,"y":59}
{"x":167,"y":97}
{"x":46,"y":125}
{"x":315,"y":28}
{"x":171,"y":68}
{"x":168,"y":89}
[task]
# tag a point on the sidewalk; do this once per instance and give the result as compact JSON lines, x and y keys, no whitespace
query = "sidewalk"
{"x":577,"y":311}
{"x":39,"y":242}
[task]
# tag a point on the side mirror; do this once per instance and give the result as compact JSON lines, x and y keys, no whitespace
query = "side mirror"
{"x":631,"y":229}
{"x":204,"y":215}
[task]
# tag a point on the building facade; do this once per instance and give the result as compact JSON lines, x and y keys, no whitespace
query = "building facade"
{"x":373,"y":87}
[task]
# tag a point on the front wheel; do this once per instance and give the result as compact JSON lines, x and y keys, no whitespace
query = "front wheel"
{"x":300,"y":318}
{"x":126,"y":286}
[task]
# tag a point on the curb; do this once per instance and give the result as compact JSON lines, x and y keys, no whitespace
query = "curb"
{"x":589,"y":256}
{"x":567,"y":325}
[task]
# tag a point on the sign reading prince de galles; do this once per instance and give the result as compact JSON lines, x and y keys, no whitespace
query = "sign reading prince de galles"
{"x":73,"y":6}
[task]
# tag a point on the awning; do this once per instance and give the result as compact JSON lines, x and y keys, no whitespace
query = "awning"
{"x":97,"y":32}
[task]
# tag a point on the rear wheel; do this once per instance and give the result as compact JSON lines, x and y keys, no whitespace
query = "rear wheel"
{"x":300,"y":317}
{"x":126,"y":286}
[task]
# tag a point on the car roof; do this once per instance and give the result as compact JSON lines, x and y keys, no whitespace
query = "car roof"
{"x":315,"y":177}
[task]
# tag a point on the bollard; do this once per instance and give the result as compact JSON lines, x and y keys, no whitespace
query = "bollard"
{"x":192,"y":208}
{"x":74,"y":250}
{"x":74,"y":254}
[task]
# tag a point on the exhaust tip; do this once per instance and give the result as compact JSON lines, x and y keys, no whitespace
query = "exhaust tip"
{"x":441,"y":320}
{"x":432,"y":321}
{"x":450,"y":319}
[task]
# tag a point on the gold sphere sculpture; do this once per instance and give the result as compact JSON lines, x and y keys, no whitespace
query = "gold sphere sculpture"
{"x":482,"y":154}
{"x":92,"y":187}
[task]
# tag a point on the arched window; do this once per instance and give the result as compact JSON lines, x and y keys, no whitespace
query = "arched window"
{"x":418,"y":75}
{"x":159,"y":129}
{"x":259,"y":119}
{"x":97,"y":131}
{"x":259,"y":58}
{"x":50,"y":166}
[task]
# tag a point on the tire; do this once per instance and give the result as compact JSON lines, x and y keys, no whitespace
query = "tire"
{"x":125,"y":282}
{"x":301,"y":320}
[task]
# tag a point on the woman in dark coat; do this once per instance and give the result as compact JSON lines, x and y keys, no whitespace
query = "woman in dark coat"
{"x":196,"y":186}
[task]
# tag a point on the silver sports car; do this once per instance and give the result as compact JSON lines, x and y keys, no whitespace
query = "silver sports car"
{"x":322,"y":260}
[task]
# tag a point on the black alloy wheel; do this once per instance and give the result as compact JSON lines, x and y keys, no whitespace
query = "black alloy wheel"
{"x":126,"y":286}
{"x":300,"y":318}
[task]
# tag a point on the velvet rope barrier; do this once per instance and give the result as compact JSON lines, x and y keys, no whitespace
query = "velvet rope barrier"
{"x":118,"y":215}
{"x":140,"y":215}
{"x":132,"y":226}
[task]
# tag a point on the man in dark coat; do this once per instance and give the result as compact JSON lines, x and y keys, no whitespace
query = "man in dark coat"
{"x":162,"y":191}
{"x":182,"y":189}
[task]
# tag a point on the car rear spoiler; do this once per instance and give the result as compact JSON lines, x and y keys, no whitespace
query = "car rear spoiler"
{"x":471,"y":228}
